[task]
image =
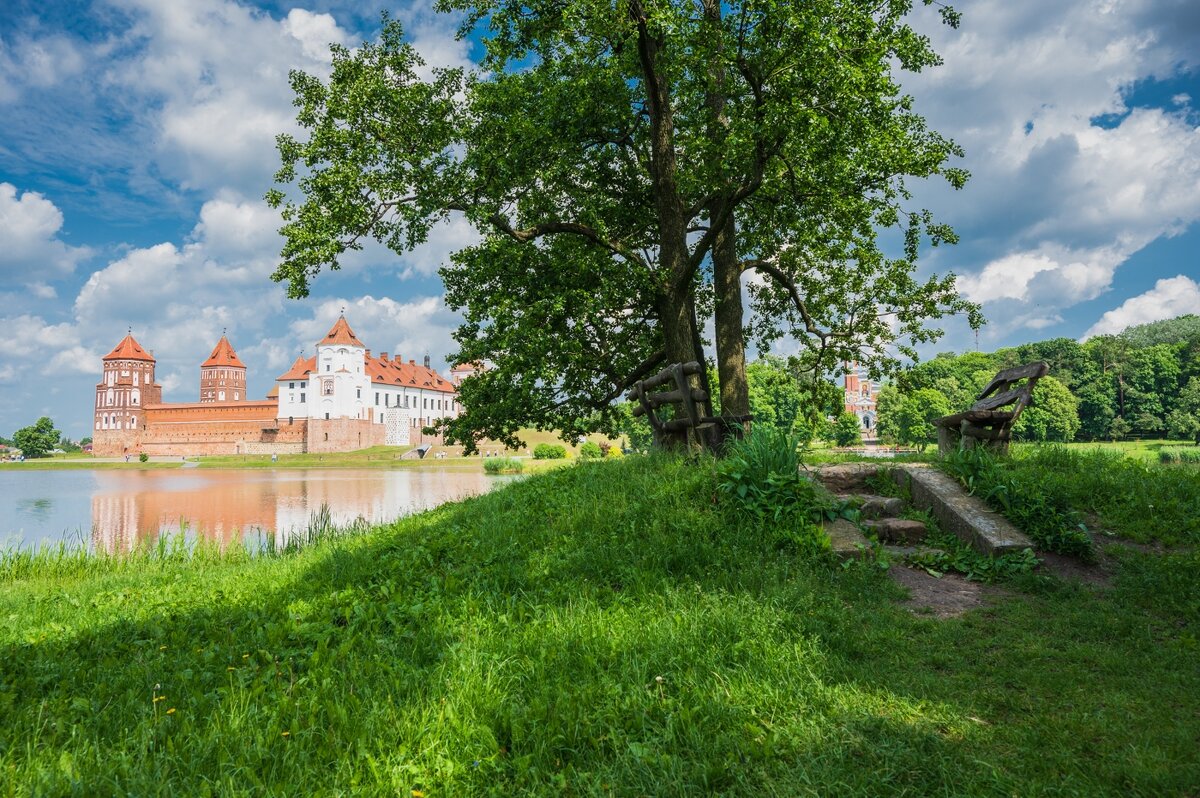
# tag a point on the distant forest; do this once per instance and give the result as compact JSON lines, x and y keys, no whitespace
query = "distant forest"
{"x":1144,"y":382}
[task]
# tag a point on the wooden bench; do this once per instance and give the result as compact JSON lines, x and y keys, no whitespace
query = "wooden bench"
{"x":690,"y":402}
{"x":986,"y":423}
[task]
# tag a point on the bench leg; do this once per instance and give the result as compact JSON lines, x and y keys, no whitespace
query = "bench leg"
{"x":947,"y":440}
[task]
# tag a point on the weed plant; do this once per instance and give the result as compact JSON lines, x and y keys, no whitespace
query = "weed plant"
{"x":601,"y":630}
{"x":949,"y":553}
{"x":503,"y":465}
{"x":1044,"y":514}
{"x":760,"y":478}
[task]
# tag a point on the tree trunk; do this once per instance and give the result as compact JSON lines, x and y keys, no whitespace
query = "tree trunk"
{"x":727,"y":285}
{"x":730,"y":341}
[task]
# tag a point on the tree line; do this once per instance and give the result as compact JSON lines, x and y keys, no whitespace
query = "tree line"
{"x":1143,"y":382}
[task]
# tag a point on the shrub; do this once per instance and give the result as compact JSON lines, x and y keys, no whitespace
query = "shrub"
{"x":847,"y":431}
{"x":549,"y":451}
{"x":503,"y":465}
{"x":590,"y":450}
{"x":613,"y":451}
{"x":143,"y":457}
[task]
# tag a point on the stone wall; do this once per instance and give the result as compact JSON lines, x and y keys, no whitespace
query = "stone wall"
{"x":344,"y":434}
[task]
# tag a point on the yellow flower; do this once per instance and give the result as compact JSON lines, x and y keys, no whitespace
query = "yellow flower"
{"x":162,"y":648}
{"x":231,"y":668}
{"x":285,"y":734}
{"x":158,"y":698}
{"x":245,"y":656}
{"x":171,"y":711}
{"x":418,"y":794}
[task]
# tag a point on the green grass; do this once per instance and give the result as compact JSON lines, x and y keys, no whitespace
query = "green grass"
{"x":1147,"y":450}
{"x":601,"y":629}
{"x":1124,"y":495}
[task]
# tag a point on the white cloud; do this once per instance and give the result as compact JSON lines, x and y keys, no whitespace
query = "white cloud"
{"x":29,"y":229}
{"x":315,"y":32}
{"x":214,"y":75}
{"x":1059,"y":201}
{"x":1051,"y":273}
{"x":37,"y":63}
{"x":1168,"y":298}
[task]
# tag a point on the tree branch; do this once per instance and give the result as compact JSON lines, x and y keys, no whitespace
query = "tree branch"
{"x":784,"y":280}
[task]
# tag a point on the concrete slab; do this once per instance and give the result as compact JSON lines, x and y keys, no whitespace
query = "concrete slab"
{"x":960,"y":513}
{"x":845,"y":539}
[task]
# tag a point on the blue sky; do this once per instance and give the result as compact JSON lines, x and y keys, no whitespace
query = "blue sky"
{"x":137,"y":140}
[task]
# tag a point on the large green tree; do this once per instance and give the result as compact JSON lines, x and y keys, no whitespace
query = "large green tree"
{"x":627,"y":163}
{"x":38,"y":439}
{"x":1053,"y":415}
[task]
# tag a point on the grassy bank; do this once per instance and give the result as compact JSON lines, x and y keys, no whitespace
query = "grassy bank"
{"x":604,"y":629}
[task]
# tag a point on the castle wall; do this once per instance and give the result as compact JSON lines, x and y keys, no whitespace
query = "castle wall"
{"x":192,"y":429}
{"x":344,"y":434}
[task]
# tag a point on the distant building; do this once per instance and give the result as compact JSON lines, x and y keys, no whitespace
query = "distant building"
{"x":860,"y":393}
{"x":341,"y":399}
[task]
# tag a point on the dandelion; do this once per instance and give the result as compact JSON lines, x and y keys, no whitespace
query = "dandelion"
{"x":417,"y":794}
{"x":171,"y":711}
{"x":245,"y":656}
{"x":162,"y":648}
{"x":231,"y":668}
{"x":285,"y":734}
{"x":158,"y":698}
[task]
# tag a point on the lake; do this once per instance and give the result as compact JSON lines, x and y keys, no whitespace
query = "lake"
{"x":116,"y":510}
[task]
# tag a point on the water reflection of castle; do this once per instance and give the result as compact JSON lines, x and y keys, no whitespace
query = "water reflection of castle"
{"x":135,"y":507}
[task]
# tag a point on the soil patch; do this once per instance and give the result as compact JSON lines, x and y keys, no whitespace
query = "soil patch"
{"x":947,"y":596}
{"x":1097,"y":574}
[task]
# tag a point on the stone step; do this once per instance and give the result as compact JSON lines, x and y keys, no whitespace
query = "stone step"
{"x":958,"y":512}
{"x":875,"y":506}
{"x":846,"y":477}
{"x":900,"y":552}
{"x":846,"y":540}
{"x":897,"y":530}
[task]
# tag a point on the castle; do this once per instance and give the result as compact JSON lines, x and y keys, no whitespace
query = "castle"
{"x":341,"y":399}
{"x":859,"y":396}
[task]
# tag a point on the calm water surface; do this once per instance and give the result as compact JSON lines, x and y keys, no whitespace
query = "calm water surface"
{"x":116,"y":510}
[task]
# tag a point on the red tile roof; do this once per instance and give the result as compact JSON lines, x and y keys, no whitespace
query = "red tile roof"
{"x":129,"y":349}
{"x":299,"y":370}
{"x":405,"y":375}
{"x":223,"y":355}
{"x":341,"y":333}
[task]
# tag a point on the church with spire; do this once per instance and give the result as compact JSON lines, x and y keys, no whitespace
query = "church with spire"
{"x":341,"y":399}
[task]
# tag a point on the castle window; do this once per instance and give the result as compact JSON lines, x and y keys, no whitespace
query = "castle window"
{"x":290,"y":421}
{"x":358,"y":393}
{"x":326,"y":434}
{"x":301,"y":397}
{"x":377,"y":397}
{"x":327,"y":388}
{"x":291,"y":385}
{"x":220,"y":396}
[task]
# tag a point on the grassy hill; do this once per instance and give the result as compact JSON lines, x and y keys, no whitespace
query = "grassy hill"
{"x":604,"y":629}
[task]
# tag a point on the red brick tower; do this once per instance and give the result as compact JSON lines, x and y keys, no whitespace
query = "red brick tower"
{"x":223,"y":375}
{"x":126,"y":386}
